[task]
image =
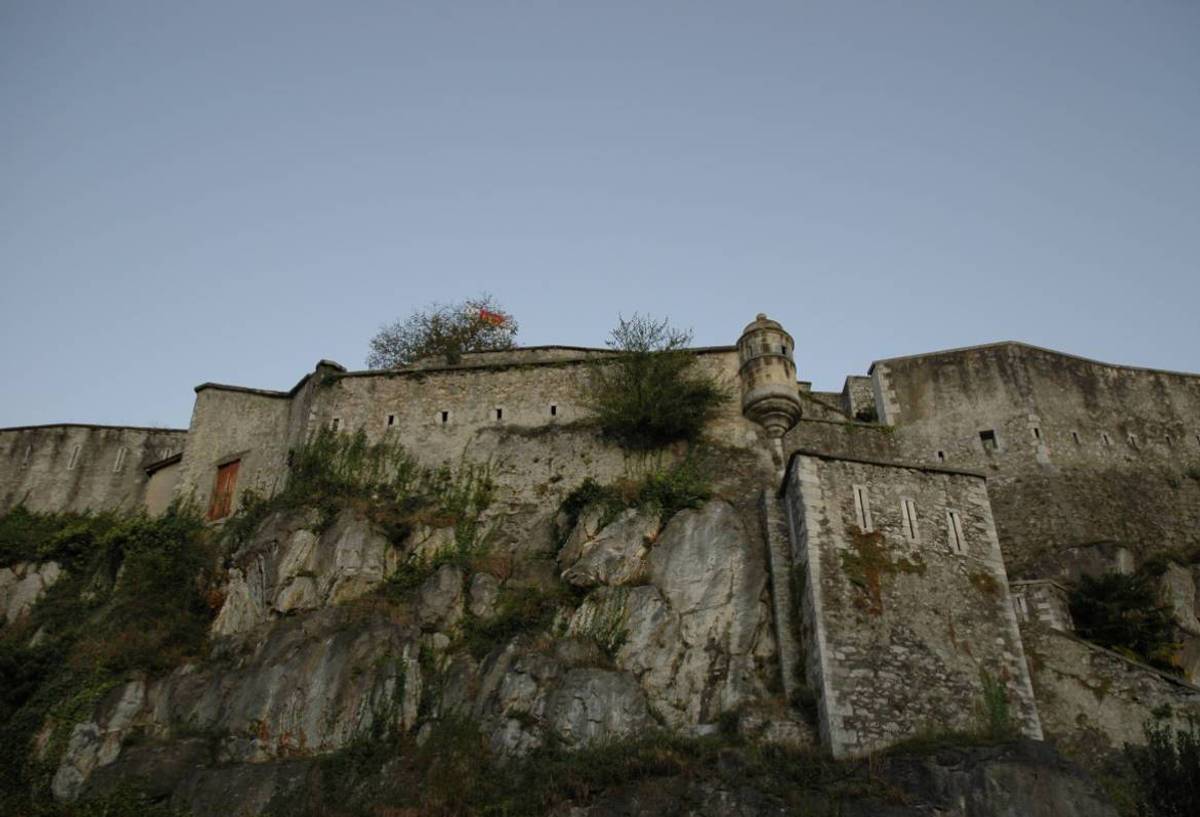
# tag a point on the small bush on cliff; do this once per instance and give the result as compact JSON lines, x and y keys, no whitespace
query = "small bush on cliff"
{"x":653,"y":392}
{"x":1122,"y":612}
{"x":335,"y":469}
{"x":666,"y":490}
{"x":1167,"y":770}
{"x":27,"y":536}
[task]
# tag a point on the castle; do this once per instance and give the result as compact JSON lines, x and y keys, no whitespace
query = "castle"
{"x":919,"y":527}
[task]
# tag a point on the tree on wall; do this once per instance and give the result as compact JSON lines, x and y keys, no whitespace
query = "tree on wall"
{"x":652,"y":393}
{"x":477,"y":324}
{"x":1122,"y":612}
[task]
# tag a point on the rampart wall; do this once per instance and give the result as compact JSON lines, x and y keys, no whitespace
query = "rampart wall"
{"x":905,"y":611}
{"x":439,"y":414}
{"x":72,"y":467}
{"x":1092,"y":699}
{"x":1077,"y":452}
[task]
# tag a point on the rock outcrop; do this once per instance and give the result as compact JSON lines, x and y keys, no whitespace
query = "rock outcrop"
{"x":23,"y":584}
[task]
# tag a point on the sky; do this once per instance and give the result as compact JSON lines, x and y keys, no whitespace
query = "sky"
{"x":231,"y":191}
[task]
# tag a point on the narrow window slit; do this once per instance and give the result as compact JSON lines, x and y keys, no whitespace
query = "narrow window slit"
{"x":955,"y":532}
{"x":862,"y":509}
{"x":553,"y":410}
{"x":499,"y":414}
{"x":445,"y":417}
{"x":908,"y":509}
{"x":391,"y":419}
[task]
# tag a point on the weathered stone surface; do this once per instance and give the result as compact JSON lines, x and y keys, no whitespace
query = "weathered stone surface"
{"x":158,"y":766}
{"x":311,"y":684}
{"x":98,"y":742}
{"x":485,"y":588}
{"x":694,"y":631}
{"x":426,"y":543}
{"x":244,"y":790}
{"x":440,"y":599}
{"x":287,"y":568}
{"x":610,"y":555}
{"x":23,"y":584}
{"x":1177,"y":589}
{"x":596,"y":704}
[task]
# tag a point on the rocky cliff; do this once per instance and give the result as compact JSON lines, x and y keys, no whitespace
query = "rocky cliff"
{"x":470,"y":641}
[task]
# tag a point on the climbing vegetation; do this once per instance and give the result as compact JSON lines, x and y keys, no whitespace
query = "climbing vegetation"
{"x":135,"y":597}
{"x":666,"y":490}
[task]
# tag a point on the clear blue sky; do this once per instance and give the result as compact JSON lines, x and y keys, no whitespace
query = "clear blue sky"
{"x":231,"y":191}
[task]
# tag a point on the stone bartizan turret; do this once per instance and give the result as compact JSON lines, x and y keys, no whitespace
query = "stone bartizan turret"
{"x":768,"y":376}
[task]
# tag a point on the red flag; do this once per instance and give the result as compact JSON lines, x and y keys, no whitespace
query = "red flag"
{"x":494,"y":318}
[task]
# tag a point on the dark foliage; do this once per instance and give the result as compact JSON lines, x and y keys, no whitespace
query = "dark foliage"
{"x":135,"y":598}
{"x":653,"y":393}
{"x":1167,"y":770}
{"x":1122,"y":612}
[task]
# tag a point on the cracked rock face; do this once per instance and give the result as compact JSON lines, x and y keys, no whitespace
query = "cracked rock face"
{"x":696,"y":631}
{"x":22,"y":584}
{"x":309,"y":685}
{"x":673,"y":623}
{"x":440,"y":599}
{"x":596,"y":704}
{"x":612,"y":555}
{"x":288,"y":568}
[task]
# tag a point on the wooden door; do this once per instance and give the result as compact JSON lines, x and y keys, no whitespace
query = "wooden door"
{"x":222,"y":498}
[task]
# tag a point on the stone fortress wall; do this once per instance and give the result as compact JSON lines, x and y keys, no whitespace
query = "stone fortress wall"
{"x":1100,"y":451}
{"x":1053,"y":464}
{"x":904,"y":601}
{"x":74,"y":467}
{"x":439,"y":413}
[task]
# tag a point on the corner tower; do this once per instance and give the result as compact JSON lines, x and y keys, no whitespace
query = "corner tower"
{"x":768,"y":376}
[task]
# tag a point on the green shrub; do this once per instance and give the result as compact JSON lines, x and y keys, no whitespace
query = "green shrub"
{"x":518,"y":610}
{"x":135,"y":597}
{"x":996,"y":722}
{"x":31,"y":536}
{"x":652,"y":392}
{"x":454,"y":772}
{"x":666,"y":491}
{"x":1122,"y":612}
{"x":1167,"y":770}
{"x":333,"y":470}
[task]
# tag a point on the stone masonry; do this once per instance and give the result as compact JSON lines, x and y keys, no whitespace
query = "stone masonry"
{"x":895,"y":513}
